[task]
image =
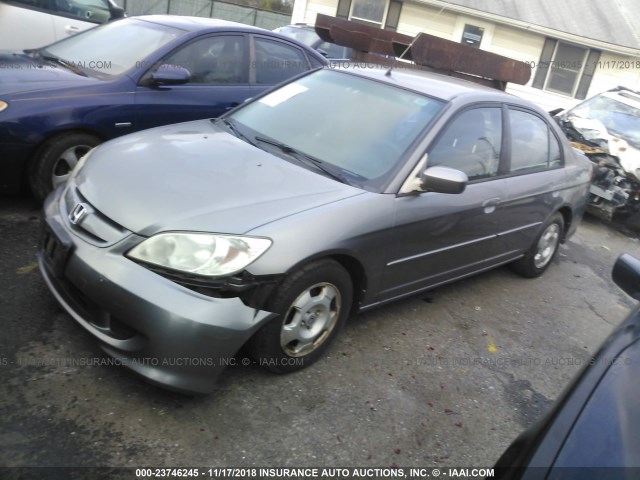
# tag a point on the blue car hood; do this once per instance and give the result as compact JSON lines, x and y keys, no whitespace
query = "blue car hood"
{"x":196,"y":176}
{"x":22,"y":77}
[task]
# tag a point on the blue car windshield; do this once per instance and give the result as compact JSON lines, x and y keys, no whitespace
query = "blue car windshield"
{"x":360,"y":126}
{"x":113,"y":48}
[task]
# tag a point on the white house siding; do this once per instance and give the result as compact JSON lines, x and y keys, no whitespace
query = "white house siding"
{"x":499,"y":38}
{"x":614,"y":70}
{"x":311,"y":9}
{"x":517,"y":44}
{"x":416,"y":18}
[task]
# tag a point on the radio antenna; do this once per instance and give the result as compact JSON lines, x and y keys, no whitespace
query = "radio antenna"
{"x":395,"y":60}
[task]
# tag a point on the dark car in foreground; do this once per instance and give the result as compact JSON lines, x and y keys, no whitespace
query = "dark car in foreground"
{"x":59,"y":101}
{"x":591,"y":431}
{"x":335,"y":193}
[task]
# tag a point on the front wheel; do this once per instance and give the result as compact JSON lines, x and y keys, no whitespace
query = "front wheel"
{"x":312,"y":305}
{"x":55,"y":159}
{"x":539,"y":256}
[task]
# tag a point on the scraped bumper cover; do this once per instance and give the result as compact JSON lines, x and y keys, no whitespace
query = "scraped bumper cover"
{"x":170,"y":335}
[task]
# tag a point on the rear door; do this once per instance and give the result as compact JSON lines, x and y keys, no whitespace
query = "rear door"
{"x":535,"y":177}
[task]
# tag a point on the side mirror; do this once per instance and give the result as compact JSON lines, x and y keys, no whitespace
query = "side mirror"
{"x":170,"y":75}
{"x":443,"y":180}
{"x":626,"y":274}
{"x":115,"y":11}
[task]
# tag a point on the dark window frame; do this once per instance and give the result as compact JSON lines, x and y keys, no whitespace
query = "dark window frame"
{"x":253,"y":59}
{"x":507,"y":124}
{"x":584,"y":77}
{"x":390,"y":20}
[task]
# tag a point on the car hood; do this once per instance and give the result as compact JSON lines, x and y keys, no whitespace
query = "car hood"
{"x":21,"y":74}
{"x":196,"y":176}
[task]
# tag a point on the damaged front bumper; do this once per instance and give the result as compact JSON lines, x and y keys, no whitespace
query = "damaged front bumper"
{"x":171,"y":335}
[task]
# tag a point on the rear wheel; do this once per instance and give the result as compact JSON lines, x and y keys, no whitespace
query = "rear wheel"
{"x":312,"y":305}
{"x":55,"y":159}
{"x":539,"y":256}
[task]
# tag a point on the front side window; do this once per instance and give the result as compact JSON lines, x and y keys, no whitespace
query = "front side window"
{"x":471,"y":143}
{"x":218,"y":60}
{"x":277,"y":61}
{"x":533,"y":146}
{"x":317,"y":113}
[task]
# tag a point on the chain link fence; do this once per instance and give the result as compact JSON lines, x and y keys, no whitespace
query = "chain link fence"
{"x":208,"y":8}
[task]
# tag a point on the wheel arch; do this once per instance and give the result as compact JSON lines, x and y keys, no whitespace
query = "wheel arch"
{"x":354,"y":267}
{"x":57,"y":133}
{"x":567,"y":216}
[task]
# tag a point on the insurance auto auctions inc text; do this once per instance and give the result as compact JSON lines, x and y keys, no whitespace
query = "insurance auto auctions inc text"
{"x":368,"y":473}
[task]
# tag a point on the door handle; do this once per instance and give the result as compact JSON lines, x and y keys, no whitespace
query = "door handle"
{"x":71,"y":29}
{"x":490,"y":204}
{"x":233,"y":105}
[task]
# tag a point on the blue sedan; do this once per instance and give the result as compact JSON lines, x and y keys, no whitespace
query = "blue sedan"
{"x":59,"y":101}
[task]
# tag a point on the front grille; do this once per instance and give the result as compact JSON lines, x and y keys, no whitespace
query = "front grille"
{"x":93,"y":227}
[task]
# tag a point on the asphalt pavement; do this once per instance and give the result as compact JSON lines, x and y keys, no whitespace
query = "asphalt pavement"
{"x":448,"y":378}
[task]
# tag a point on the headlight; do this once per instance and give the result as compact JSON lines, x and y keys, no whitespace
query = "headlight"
{"x":3,"y":105}
{"x":206,"y":254}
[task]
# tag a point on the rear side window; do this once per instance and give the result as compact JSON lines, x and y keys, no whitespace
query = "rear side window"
{"x":277,"y":61}
{"x":533,"y":146}
{"x":471,"y":143}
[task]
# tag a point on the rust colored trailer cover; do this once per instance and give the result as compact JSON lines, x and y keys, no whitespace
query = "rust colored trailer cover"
{"x":425,"y":50}
{"x":446,"y":55}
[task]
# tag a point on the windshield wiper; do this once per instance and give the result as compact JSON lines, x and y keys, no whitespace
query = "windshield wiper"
{"x":236,"y":132}
{"x":319,"y":164}
{"x":64,"y":63}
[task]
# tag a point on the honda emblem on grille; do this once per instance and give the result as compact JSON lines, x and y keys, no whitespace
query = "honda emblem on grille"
{"x":78,"y":213}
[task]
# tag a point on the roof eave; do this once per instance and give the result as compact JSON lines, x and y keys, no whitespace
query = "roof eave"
{"x":550,"y":32}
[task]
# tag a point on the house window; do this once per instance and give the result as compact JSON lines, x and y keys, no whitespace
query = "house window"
{"x":565,"y":68}
{"x":369,"y":11}
{"x":472,"y":35}
{"x":566,"y":65}
{"x":376,"y":13}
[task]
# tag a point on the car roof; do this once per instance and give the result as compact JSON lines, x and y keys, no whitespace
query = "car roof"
{"x":433,"y":84}
{"x":192,"y":24}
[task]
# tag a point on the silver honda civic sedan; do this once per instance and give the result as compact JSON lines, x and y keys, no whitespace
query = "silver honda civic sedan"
{"x":267,"y":228}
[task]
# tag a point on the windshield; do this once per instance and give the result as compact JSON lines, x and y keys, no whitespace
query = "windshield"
{"x":113,"y":48}
{"x":620,"y":119}
{"x":360,"y":126}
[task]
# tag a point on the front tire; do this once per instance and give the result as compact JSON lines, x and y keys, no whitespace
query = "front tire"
{"x":312,"y":304}
{"x":54,"y":160}
{"x":544,"y":248}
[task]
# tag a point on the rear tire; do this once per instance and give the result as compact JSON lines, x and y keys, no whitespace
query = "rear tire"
{"x":544,"y":248}
{"x":312,"y":304}
{"x":54,"y":160}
